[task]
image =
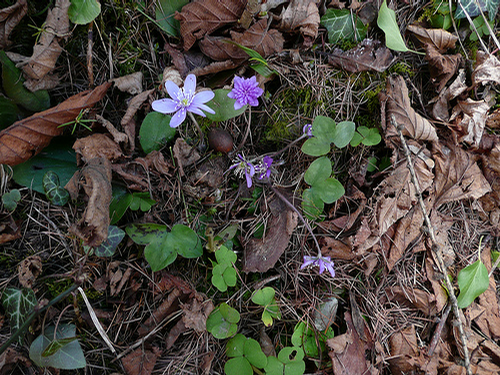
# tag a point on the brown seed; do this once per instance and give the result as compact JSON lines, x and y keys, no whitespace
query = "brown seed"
{"x":220,"y":140}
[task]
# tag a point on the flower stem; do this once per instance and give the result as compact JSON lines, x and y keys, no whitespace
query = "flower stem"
{"x":247,"y":132}
{"x":197,"y":126}
{"x":287,"y":146}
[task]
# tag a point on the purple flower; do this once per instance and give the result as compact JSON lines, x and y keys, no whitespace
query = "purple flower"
{"x":245,"y":91}
{"x":183,"y":100}
{"x":244,"y":167}
{"x":307,"y":130}
{"x":321,"y":261}
{"x":264,"y":168}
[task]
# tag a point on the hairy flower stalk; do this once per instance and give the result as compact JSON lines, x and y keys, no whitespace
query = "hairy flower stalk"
{"x":184,"y":100}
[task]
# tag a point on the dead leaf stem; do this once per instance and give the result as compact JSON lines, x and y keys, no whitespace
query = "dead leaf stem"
{"x":435,"y":248}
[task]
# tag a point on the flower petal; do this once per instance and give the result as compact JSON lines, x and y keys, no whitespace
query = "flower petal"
{"x":321,"y":266}
{"x":190,"y":84}
{"x":307,"y":261}
{"x":206,"y":108}
{"x":249,"y":179}
{"x":196,"y":111}
{"x":202,"y":97}
{"x":172,"y":89}
{"x":330,"y":269}
{"x":231,"y":94}
{"x":164,"y":106}
{"x":178,"y":118}
{"x":238,"y":105}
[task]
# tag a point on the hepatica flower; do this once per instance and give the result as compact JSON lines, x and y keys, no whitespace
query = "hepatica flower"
{"x":183,"y":100}
{"x":308,"y":130}
{"x":243,"y":167}
{"x":245,"y":91}
{"x":263,"y":169}
{"x":320,"y":261}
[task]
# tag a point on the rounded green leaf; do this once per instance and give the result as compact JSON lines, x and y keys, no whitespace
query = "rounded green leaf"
{"x":329,"y":190}
{"x":264,"y":296}
{"x":185,"y":241}
{"x":159,"y":254}
{"x":473,"y":280}
{"x":274,"y":366}
{"x":83,"y":12}
{"x":238,"y":366}
{"x":316,"y":147}
{"x":386,"y":21}
{"x":144,"y":234}
{"x":289,"y":355}
{"x":230,"y":276}
{"x":9,"y":113}
{"x":223,"y":106}
{"x":371,"y":136}
{"x":219,"y":325}
{"x":10,"y":199}
{"x":318,"y":171}
{"x":324,"y":128}
{"x":311,"y":204}
{"x":224,"y":255}
{"x":155,"y":131}
{"x":235,"y":345}
{"x":218,"y":279}
{"x":229,"y":314}
{"x":141,"y":201}
{"x":165,"y":11}
{"x":344,"y":133}
{"x":254,"y":354}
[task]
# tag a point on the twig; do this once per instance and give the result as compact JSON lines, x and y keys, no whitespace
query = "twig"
{"x":435,"y":248}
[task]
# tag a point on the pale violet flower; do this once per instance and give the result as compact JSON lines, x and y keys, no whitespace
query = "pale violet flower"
{"x":263,"y":169}
{"x":183,"y":100}
{"x":321,"y":261}
{"x":244,"y":167}
{"x":308,"y":130}
{"x":245,"y":91}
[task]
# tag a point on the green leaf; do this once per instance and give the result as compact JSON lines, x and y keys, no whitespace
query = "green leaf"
{"x":339,"y":23}
{"x":18,"y":305}
{"x":10,"y":199}
{"x":218,"y":277}
{"x":221,"y":323}
{"x":230,"y":276}
{"x":472,"y":280}
{"x":494,"y":256}
{"x":67,"y":357}
{"x":83,"y":12}
{"x":56,"y":345}
{"x":253,"y":352}
{"x":324,"y":130}
{"x":318,"y":171}
{"x":155,"y":131}
{"x":235,"y":346}
{"x":9,"y":113}
{"x":372,"y":164}
{"x":315,"y":147}
{"x":185,"y":241}
{"x":120,"y":203}
{"x":367,"y":136}
{"x":159,"y":254}
{"x":165,"y":12}
{"x":143,"y":234}
{"x":311,"y":204}
{"x":238,"y":366}
{"x":225,"y":256}
{"x":274,"y":366}
{"x":264,"y":296}
{"x":293,"y":359}
{"x":386,"y":21}
{"x":108,"y":247}
{"x":472,"y":8}
{"x":344,"y":133}
{"x":55,"y":194}
{"x":59,"y":157}
{"x":329,"y":190}
{"x":12,"y":80}
{"x":223,"y":106}
{"x":141,"y":201}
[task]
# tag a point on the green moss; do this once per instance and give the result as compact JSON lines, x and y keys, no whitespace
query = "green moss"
{"x":57,"y":287}
{"x":403,"y":69}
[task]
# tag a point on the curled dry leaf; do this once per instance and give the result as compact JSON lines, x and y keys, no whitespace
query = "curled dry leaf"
{"x":302,"y":15}
{"x":441,"y":39}
{"x":258,"y":37}
{"x":472,"y":115}
{"x":442,"y":104}
{"x":404,"y":347}
{"x":196,"y":312}
{"x":261,"y":254}
{"x":457,"y":175}
{"x":128,"y":122}
{"x":205,"y":16}
{"x":95,"y":146}
{"x":398,"y":104}
{"x":412,"y":297}
{"x":117,"y":136}
{"x":442,"y":67}
{"x":29,"y":269}
{"x":184,"y":154}
{"x":131,"y":83}
{"x":9,"y":18}
{"x":28,"y":137}
{"x":487,"y":71}
{"x":47,"y":50}
{"x":141,"y":361}
{"x":9,"y":229}
{"x":368,"y":55}
{"x":96,"y":175}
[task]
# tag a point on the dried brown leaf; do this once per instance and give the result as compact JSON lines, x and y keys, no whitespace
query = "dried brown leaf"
{"x":9,"y":18}
{"x":29,"y":269}
{"x":140,"y":361}
{"x":184,"y":154}
{"x":196,"y":312}
{"x":440,"y":295}
{"x":457,"y":175}
{"x":202,"y":17}
{"x":398,"y":104}
{"x":174,"y":334}
{"x":95,"y":146}
{"x":472,"y":115}
{"x":412,"y":297}
{"x":262,"y":254}
{"x":134,"y":105}
{"x":47,"y":50}
{"x":131,"y":83}
{"x":441,"y":39}
{"x":370,"y":54}
{"x":266,"y":343}
{"x":302,"y":15}
{"x":336,"y":249}
{"x":9,"y":229}
{"x":251,"y":9}
{"x":28,"y":137}
{"x":488,"y":71}
{"x":10,"y":360}
{"x":168,"y":306}
{"x":442,"y":67}
{"x":259,"y":38}
{"x":48,"y":82}
{"x":403,"y":346}
{"x":440,"y":110}
{"x":117,"y":136}
{"x":215,"y":67}
{"x":93,"y":226}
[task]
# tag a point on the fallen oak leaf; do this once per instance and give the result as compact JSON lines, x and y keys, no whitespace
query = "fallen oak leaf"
{"x":9,"y":18}
{"x":93,"y":226}
{"x":26,"y":138}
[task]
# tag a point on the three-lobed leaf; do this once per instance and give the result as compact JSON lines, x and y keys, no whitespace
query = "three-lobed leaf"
{"x":318,"y":171}
{"x":222,"y":322}
{"x":342,"y":24}
{"x":473,"y":280}
{"x":18,"y":305}
{"x":10,"y":199}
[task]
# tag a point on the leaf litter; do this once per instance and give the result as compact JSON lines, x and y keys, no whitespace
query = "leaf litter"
{"x":375,"y":234}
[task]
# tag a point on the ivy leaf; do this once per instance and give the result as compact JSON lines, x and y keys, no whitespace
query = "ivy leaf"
{"x":342,"y":25}
{"x":472,"y":8}
{"x":18,"y":305}
{"x":387,"y":22}
{"x":473,"y":281}
{"x":108,"y":247}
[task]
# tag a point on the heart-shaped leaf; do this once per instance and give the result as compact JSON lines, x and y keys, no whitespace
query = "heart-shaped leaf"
{"x":473,"y":280}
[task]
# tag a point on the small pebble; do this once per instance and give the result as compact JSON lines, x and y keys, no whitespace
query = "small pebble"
{"x":220,"y":140}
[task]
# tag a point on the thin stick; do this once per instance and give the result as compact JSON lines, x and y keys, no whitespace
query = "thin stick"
{"x":435,"y":248}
